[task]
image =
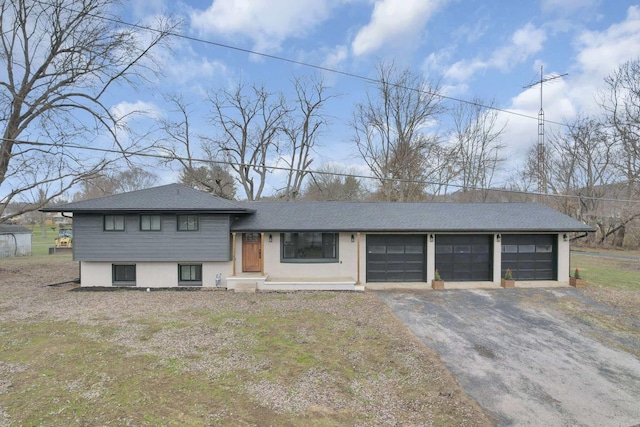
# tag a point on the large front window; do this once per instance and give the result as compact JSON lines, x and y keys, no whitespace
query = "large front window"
{"x":309,"y":247}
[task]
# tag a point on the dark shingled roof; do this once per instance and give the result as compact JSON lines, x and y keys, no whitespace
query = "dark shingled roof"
{"x":405,"y":217}
{"x":10,"y":228}
{"x":166,"y":198}
{"x":338,"y":216}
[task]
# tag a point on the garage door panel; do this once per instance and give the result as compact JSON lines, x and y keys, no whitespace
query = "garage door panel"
{"x":395,"y":258}
{"x":530,"y":256}
{"x":465,"y":257}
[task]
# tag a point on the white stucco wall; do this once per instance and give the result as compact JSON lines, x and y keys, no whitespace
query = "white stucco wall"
{"x":497,"y":259}
{"x":151,"y":274}
{"x":346,"y":266}
{"x":564,"y":255}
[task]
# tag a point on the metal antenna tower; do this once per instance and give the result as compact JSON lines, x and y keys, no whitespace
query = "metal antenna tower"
{"x":541,"y":170}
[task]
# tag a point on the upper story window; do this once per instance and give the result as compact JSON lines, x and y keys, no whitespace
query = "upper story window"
{"x":309,"y":247}
{"x":114,"y":223}
{"x":187,"y":222}
{"x":150,"y":222}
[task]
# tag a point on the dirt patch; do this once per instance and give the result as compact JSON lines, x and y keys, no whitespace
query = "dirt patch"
{"x":212,"y":358}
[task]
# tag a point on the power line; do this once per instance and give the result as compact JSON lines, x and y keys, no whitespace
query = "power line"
{"x":169,"y":158}
{"x":300,"y":63}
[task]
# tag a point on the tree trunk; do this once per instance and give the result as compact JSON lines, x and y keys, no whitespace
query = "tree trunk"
{"x":618,"y":239}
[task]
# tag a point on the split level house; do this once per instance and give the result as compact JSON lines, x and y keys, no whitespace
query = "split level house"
{"x":173,"y":235}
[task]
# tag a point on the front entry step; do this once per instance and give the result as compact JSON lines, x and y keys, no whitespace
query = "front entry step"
{"x":246,"y":287}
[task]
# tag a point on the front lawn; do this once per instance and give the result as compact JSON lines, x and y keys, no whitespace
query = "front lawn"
{"x":211,"y":358}
{"x":613,"y":283}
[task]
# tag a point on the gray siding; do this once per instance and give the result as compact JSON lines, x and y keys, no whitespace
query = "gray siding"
{"x":210,"y":243}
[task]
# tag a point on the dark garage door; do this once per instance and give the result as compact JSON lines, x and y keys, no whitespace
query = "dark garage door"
{"x":530,"y":256}
{"x":464,"y":258}
{"x":395,"y":258}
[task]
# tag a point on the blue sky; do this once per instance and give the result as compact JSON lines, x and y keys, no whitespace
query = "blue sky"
{"x":473,"y":48}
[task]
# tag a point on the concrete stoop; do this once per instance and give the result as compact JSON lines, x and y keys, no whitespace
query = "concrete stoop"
{"x":245,"y":287}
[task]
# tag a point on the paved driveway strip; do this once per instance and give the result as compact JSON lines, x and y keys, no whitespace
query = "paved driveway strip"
{"x":524,"y":365}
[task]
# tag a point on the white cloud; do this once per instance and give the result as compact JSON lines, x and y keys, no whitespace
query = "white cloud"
{"x":128,"y":116}
{"x":196,"y":70}
{"x":436,"y":62}
{"x":266,"y":22}
{"x":525,"y":42}
{"x":601,"y":52}
{"x":393,"y":21}
{"x":336,"y":56}
{"x":125,"y":111}
{"x":598,"y":54}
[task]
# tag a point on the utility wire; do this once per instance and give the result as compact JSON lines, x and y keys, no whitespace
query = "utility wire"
{"x":169,"y":158}
{"x":300,"y":63}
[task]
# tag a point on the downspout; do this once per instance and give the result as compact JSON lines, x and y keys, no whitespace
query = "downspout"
{"x":586,"y":233}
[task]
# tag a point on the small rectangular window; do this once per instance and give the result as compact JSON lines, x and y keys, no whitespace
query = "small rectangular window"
{"x":124,"y":274}
{"x":190,"y":274}
{"x":114,"y":223}
{"x":150,"y":222}
{"x":187,"y":222}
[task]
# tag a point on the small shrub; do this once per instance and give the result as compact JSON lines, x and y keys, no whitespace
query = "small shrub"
{"x":577,"y":274}
{"x":508,"y":275}
{"x":436,"y":276}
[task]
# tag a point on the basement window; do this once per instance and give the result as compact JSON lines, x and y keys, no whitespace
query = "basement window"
{"x":123,"y":274}
{"x":190,"y":274}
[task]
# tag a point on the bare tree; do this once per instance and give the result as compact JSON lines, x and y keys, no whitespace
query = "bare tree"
{"x":390,"y":131}
{"x":60,"y":58}
{"x":301,"y":128}
{"x":178,"y":141}
{"x":251,"y":120}
{"x":204,"y":174}
{"x":621,"y":104}
{"x":476,"y":147}
{"x":333,"y":183}
{"x":582,"y":165}
{"x":212,"y":178}
{"x":108,"y":183}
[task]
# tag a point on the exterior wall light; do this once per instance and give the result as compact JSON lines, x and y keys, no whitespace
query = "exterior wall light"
{"x":270,"y":238}
{"x":431,"y":237}
{"x":565,"y":237}
{"x":498,"y":237}
{"x":353,"y":238}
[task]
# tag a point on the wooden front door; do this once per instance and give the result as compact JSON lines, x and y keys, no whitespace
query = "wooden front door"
{"x":251,"y":252}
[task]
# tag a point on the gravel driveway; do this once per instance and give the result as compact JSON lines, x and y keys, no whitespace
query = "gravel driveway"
{"x":523,"y":360}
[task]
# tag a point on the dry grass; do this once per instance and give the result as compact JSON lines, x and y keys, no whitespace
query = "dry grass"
{"x":211,"y":358}
{"x":612,"y":306}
